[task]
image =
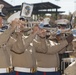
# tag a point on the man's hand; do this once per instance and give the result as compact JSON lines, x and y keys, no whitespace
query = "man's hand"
{"x":19,"y":24}
{"x":15,"y":23}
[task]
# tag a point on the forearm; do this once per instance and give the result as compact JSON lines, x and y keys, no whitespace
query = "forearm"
{"x":57,"y":48}
{"x":5,"y":35}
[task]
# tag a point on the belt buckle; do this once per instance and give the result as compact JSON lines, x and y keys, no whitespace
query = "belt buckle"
{"x":11,"y":69}
{"x":8,"y":70}
{"x":33,"y":70}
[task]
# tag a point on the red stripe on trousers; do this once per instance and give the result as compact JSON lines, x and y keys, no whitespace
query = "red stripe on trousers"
{"x":17,"y":73}
{"x":44,"y":73}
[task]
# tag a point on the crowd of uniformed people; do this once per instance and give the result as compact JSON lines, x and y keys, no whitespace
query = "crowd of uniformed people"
{"x":37,"y":50}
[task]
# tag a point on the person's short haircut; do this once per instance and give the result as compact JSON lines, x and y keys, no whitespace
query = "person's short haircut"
{"x":23,"y":19}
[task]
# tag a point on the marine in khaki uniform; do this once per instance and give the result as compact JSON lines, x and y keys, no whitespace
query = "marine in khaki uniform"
{"x":47,"y":53}
{"x":4,"y":37}
{"x":63,"y":27}
{"x":4,"y":50}
{"x":71,"y":69}
{"x":22,"y":59}
{"x":24,"y":62}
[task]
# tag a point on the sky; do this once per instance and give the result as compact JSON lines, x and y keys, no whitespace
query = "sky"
{"x":66,"y":5}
